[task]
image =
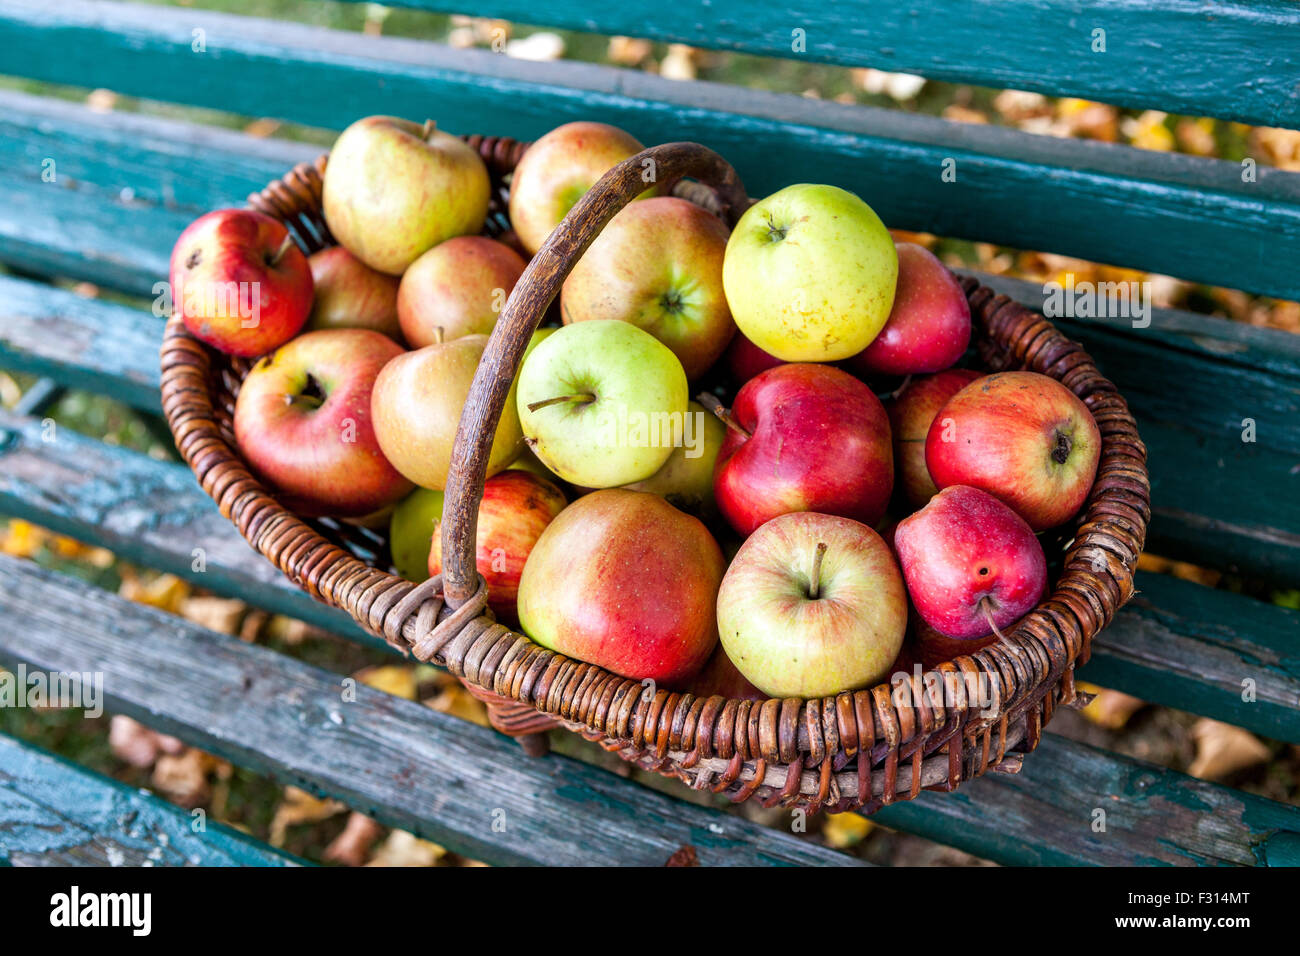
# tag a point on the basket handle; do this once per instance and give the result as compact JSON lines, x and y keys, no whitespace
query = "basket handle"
{"x":522,"y":313}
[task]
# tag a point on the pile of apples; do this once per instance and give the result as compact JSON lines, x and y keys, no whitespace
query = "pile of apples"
{"x":801,"y":542}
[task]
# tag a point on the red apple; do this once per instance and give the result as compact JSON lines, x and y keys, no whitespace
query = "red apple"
{"x":515,"y":510}
{"x":624,"y":580}
{"x":812,"y":605}
{"x":910,"y":415}
{"x":721,"y":678}
{"x":1024,"y":438}
{"x":456,"y":288}
{"x":928,"y":327}
{"x":932,"y":648}
{"x":239,"y":282}
{"x":558,"y":169}
{"x":351,"y":295}
{"x":744,"y":359}
{"x":804,"y":438}
{"x":658,"y":265}
{"x":972,"y":565}
{"x":302,"y":420}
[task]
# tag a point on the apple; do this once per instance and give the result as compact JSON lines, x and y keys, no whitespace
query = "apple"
{"x":804,"y":437}
{"x":928,"y":328}
{"x":303,"y":422}
{"x":602,"y":403}
{"x":658,"y":265}
{"x":721,"y":678}
{"x":932,"y":648}
{"x":456,"y":288}
{"x":417,"y":401}
{"x":557,"y":171}
{"x":743,"y":359}
{"x":239,"y":282}
{"x":624,"y":580}
{"x":686,"y":478}
{"x":911,"y":412}
{"x":972,"y":565}
{"x":810,"y":274}
{"x":351,"y":295}
{"x":394,"y":189}
{"x":515,"y":510}
{"x":1024,"y":438}
{"x":410,"y":528}
{"x":812,"y":605}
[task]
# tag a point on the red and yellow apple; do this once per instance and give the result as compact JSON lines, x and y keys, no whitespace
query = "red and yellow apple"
{"x":417,"y":402}
{"x":515,"y":510}
{"x":812,"y":605}
{"x":394,"y":188}
{"x":911,"y":412}
{"x":456,"y":288}
{"x":303,"y":422}
{"x":804,"y":437}
{"x":658,"y":265}
{"x":1024,"y":438}
{"x":744,"y":360}
{"x":351,"y":295}
{"x":557,"y":171}
{"x":239,"y":282}
{"x":624,"y":580}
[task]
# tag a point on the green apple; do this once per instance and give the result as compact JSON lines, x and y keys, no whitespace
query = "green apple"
{"x":410,"y":532}
{"x":658,"y":265}
{"x":394,"y":189}
{"x":686,"y":478}
{"x":602,"y":403}
{"x":810,"y":274}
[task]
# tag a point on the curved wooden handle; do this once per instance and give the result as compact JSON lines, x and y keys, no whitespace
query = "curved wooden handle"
{"x":529,"y":301}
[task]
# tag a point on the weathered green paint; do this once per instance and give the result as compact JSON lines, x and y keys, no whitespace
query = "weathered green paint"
{"x":55,"y":813}
{"x":1049,"y":814}
{"x":407,"y":765}
{"x":1159,"y":54}
{"x":1167,"y":213}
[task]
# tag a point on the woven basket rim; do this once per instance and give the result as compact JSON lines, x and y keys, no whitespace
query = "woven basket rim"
{"x":837,"y":752}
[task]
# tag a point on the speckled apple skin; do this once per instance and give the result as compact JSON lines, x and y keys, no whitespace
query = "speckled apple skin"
{"x":963,"y":546}
{"x":459,"y":287}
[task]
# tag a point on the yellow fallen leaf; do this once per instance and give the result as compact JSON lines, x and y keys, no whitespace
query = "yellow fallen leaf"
{"x":1149,"y":131}
{"x":457,"y":701}
{"x":165,"y":591}
{"x":396,"y":679}
{"x":406,"y":849}
{"x":21,"y":539}
{"x":299,"y":807}
{"x":1109,"y":708}
{"x":1223,"y":750}
{"x":846,"y":829}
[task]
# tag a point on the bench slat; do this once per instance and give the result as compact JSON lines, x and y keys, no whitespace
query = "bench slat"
{"x":255,"y":707}
{"x":1179,"y":644}
{"x":459,"y":784}
{"x":55,"y":813}
{"x":1162,"y":212}
{"x":1043,"y":45}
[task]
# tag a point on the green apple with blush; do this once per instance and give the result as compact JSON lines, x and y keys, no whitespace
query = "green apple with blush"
{"x":410,"y":531}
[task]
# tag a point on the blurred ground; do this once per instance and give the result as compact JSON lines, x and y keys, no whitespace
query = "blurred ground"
{"x":327,"y":830}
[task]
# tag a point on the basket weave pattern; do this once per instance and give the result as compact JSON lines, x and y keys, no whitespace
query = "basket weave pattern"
{"x":860,"y":749}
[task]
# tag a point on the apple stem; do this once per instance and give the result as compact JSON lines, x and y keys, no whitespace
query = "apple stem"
{"x":438,"y":334}
{"x":724,"y":415}
{"x":815,"y":580}
{"x":430,"y":127}
{"x":986,"y":606}
{"x":907,"y":380}
{"x":284,"y":247}
{"x":581,"y":398}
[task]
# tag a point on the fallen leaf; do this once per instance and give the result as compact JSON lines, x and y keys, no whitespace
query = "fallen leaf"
{"x":163,"y":591}
{"x":679,"y":64}
{"x":846,"y":829}
{"x":298,"y":807}
{"x":183,"y":777}
{"x":628,"y":51}
{"x":1109,"y":708}
{"x":1223,"y":750}
{"x":137,"y":745}
{"x":215,"y":613}
{"x":457,"y":701}
{"x":396,"y":679}
{"x":406,"y":849}
{"x":352,"y":846}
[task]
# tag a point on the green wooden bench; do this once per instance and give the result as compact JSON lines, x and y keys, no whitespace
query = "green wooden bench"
{"x":125,"y":185}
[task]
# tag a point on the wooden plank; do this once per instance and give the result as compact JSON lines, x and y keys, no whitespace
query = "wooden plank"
{"x":1158,"y":52}
{"x":415,"y":768}
{"x":1178,"y":644}
{"x":55,"y":813}
{"x":1167,"y":213}
{"x":407,"y":765}
{"x":1049,"y":814}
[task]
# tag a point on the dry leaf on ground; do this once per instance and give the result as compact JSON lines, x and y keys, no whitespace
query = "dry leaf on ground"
{"x":406,"y":849}
{"x":134,"y":743}
{"x":1222,"y":750}
{"x":299,"y":807}
{"x":352,"y":846}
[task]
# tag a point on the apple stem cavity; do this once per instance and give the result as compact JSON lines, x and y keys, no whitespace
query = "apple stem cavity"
{"x":815,"y":579}
{"x":986,"y":606}
{"x":582,"y":398}
{"x":1061,"y":451}
{"x":723,"y":414}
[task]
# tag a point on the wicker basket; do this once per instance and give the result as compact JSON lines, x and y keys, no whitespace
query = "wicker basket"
{"x":861,"y":749}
